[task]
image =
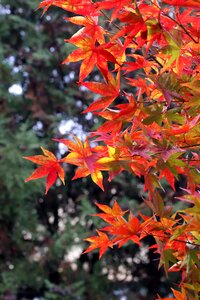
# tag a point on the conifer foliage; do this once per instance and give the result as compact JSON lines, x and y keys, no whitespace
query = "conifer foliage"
{"x":151,"y":48}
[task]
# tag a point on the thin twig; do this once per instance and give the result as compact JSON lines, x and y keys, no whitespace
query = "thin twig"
{"x":167,"y":236}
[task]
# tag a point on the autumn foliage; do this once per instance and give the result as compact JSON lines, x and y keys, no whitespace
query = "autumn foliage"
{"x":151,"y":48}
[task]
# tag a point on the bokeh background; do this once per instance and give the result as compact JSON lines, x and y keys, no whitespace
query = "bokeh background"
{"x":41,"y":237}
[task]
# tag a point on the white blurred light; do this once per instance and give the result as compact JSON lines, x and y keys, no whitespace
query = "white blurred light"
{"x":66,"y":126}
{"x":15,"y":89}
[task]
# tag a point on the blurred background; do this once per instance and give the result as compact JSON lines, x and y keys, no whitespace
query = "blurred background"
{"x":41,"y":237}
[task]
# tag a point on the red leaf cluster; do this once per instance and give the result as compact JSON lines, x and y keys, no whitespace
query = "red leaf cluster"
{"x":151,"y":49}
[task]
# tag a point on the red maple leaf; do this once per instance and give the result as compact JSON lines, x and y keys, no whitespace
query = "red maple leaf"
{"x":117,"y":117}
{"x":101,"y":241}
{"x":91,"y":27}
{"x":116,"y":5}
{"x":84,"y":7}
{"x":109,"y":90}
{"x":85,"y":157}
{"x":91,"y":47}
{"x":49,"y":166}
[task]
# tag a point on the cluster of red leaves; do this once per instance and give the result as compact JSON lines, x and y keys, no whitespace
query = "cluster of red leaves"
{"x":153,"y":48}
{"x":175,"y":242}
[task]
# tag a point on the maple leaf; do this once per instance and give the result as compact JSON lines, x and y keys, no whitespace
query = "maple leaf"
{"x":193,"y":85}
{"x":124,"y":231}
{"x":116,"y":5}
{"x":110,"y":214}
{"x":92,"y":54}
{"x":121,"y":229}
{"x":84,"y":7}
{"x":116,"y":161}
{"x":169,"y":176}
{"x":134,"y":27}
{"x":123,"y":114}
{"x":49,"y":166}
{"x":154,"y":32}
{"x":142,"y":84}
{"x":85,"y":158}
{"x":92,"y":28}
{"x":139,"y":63}
{"x":101,"y":241}
{"x":188,"y":133}
{"x":172,"y":53}
{"x":178,"y":295}
{"x":110,"y":90}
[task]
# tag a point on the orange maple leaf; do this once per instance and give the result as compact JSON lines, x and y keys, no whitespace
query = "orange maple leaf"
{"x":101,"y":241}
{"x":178,"y":295}
{"x":49,"y":166}
{"x":125,"y":231}
{"x":110,"y":214}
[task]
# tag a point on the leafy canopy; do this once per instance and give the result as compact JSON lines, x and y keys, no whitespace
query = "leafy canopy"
{"x":152,"y":49}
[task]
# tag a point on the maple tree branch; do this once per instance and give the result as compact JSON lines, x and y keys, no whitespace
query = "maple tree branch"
{"x":179,"y":24}
{"x":168,"y":236}
{"x":108,"y":19}
{"x":186,"y":31}
{"x":182,"y":27}
{"x":186,"y":159}
{"x":115,"y":25}
{"x":190,"y":146}
{"x":155,"y":59}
